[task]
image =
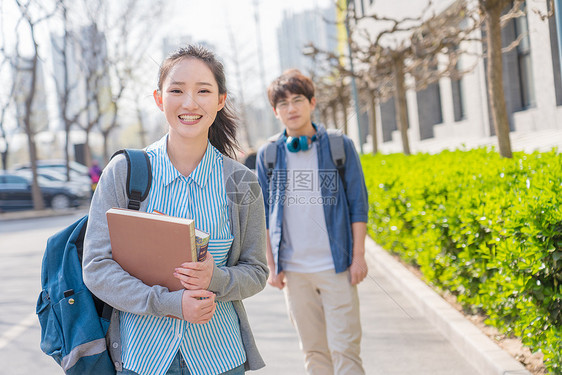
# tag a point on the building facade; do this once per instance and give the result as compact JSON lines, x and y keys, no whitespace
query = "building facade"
{"x":299,"y":29}
{"x":456,"y":110}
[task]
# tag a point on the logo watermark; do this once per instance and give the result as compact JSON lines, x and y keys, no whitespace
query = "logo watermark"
{"x":242,"y":187}
{"x":306,"y":180}
{"x":304,"y":187}
{"x":295,"y":200}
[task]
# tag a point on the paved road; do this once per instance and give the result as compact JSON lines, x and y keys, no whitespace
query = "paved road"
{"x":397,"y":337}
{"x":21,"y":249}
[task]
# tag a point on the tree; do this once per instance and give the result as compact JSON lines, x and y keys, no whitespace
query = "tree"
{"x":238,"y":74}
{"x":492,"y":11}
{"x":384,"y":58}
{"x":3,"y":111}
{"x":31,"y":67}
{"x":93,"y":62}
{"x":444,"y":34}
{"x":7,"y":97}
{"x":67,"y":87}
{"x":332,"y":86}
{"x":412,"y":46}
{"x":124,"y":29}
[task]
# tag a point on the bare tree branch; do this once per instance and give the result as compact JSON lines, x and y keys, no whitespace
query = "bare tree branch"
{"x":32,"y":21}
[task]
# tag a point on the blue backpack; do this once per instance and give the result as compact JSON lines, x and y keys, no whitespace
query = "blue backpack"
{"x":73,"y":321}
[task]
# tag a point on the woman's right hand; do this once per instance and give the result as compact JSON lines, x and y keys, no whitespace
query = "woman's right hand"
{"x":276,"y":280}
{"x":198,"y":306}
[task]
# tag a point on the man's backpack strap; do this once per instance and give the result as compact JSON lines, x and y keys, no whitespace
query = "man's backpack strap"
{"x":139,"y":176}
{"x":270,"y":156}
{"x":338,"y":151}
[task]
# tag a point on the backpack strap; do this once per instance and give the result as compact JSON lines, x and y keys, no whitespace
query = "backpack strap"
{"x":139,"y":176}
{"x":337,"y":151}
{"x":139,"y":180}
{"x":270,"y":154}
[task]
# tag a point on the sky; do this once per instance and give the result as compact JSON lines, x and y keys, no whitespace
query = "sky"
{"x":202,"y":20}
{"x":211,"y":20}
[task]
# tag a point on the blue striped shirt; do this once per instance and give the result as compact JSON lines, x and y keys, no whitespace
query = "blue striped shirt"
{"x":150,"y":343}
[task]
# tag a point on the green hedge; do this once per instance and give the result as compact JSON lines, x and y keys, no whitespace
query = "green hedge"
{"x":486,"y":228}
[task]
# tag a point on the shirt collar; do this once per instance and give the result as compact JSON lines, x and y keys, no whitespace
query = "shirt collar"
{"x":200,"y":174}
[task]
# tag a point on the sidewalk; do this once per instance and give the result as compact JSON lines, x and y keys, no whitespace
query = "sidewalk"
{"x":544,"y":141}
{"x":407,"y":329}
{"x":31,"y":214}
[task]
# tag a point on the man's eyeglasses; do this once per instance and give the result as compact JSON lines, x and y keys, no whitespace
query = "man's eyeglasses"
{"x":296,"y":101}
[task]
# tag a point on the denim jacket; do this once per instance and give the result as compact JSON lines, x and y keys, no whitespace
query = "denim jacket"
{"x":344,"y":203}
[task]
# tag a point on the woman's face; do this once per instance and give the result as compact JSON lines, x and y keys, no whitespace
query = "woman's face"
{"x":190,"y":99}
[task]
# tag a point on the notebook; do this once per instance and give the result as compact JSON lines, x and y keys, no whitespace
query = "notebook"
{"x":150,"y":246}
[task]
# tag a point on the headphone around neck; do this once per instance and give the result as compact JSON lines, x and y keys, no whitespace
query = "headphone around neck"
{"x":296,"y":144}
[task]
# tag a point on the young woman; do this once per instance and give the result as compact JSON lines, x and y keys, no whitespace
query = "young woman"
{"x":194,"y":177}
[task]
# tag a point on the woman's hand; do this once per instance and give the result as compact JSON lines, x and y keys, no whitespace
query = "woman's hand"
{"x":196,"y":275}
{"x":198,"y":306}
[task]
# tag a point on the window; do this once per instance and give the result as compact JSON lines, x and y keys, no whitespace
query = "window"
{"x":555,"y":57}
{"x":15,"y":180}
{"x":388,"y":119}
{"x":458,"y":99}
{"x":525,"y":63}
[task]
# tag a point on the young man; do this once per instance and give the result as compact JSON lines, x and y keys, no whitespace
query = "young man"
{"x":316,"y":229}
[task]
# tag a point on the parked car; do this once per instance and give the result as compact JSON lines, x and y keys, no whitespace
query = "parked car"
{"x":81,"y":186}
{"x":77,"y":170}
{"x":15,"y":193}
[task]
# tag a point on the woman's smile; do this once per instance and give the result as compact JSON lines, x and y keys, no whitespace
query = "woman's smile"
{"x":189,"y":119}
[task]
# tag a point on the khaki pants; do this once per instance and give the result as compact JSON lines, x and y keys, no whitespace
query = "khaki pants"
{"x":324,"y":309}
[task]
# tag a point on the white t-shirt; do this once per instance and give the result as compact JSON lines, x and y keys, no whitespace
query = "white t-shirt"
{"x":305,"y":245}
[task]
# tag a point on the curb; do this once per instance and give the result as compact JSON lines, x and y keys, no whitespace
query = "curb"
{"x":484,"y":354}
{"x":34,"y":214}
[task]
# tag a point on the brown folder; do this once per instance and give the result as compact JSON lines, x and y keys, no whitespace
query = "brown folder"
{"x":150,"y":246}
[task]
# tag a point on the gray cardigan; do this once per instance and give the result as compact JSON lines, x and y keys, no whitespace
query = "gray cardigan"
{"x":244,"y":275}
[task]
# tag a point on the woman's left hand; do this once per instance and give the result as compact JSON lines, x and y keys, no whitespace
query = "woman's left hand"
{"x":196,"y":275}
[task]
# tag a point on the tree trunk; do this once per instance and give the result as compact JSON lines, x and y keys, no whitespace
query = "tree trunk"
{"x":4,"y":136}
{"x":88,"y":150}
{"x":373,"y":119}
{"x":324,"y":116}
{"x":401,"y":104}
{"x":344,"y":111}
{"x":5,"y":154}
{"x":66,"y":94}
{"x":37,"y":196}
{"x":142,"y":131}
{"x":495,"y":80}
{"x":66,"y":147}
{"x":334,"y":115}
{"x":106,"y":148}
